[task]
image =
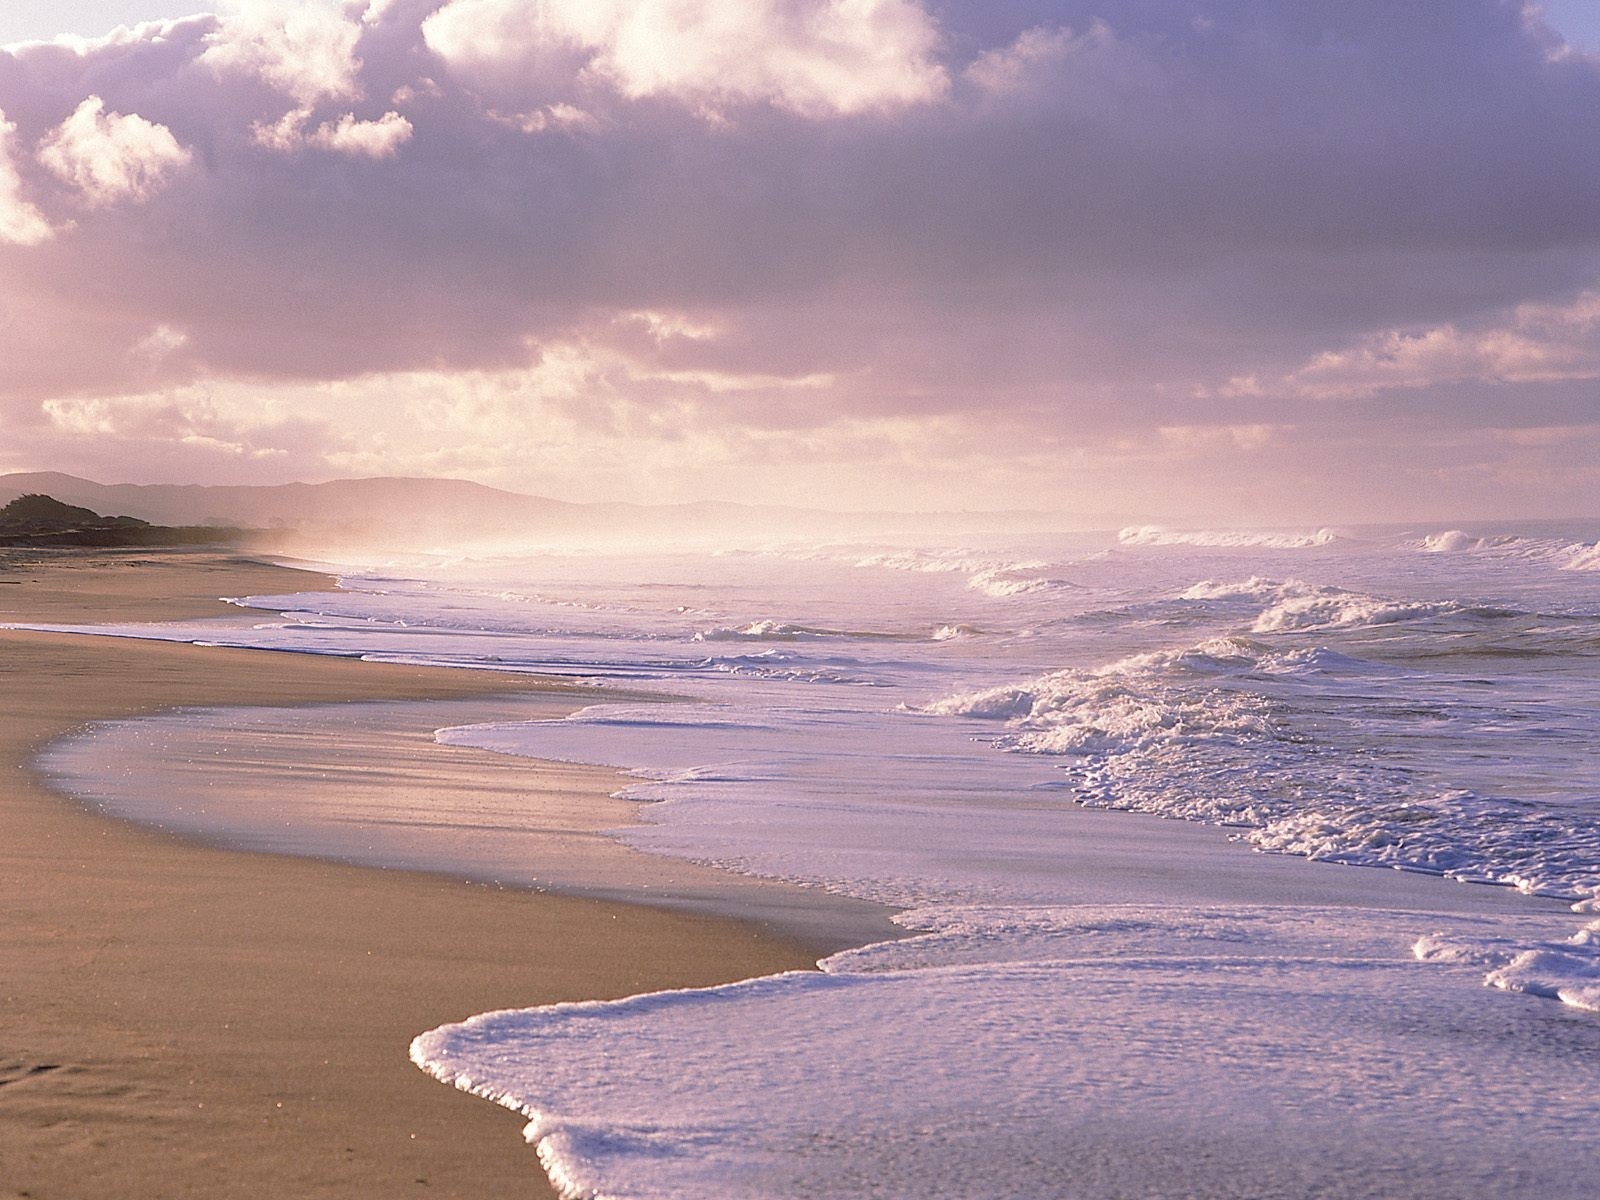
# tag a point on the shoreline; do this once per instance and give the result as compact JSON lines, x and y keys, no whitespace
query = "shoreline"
{"x":1113,"y":860}
{"x":187,"y":1020}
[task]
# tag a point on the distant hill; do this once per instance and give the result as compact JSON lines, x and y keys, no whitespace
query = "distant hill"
{"x":37,"y":512}
{"x":38,"y":520}
{"x":346,"y":502}
{"x":418,"y":512}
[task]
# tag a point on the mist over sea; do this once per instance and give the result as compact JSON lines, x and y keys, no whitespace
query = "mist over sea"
{"x":1087,"y":1003}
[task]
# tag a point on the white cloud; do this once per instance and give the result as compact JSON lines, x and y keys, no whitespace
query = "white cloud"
{"x":1007,"y":69}
{"x":553,"y":116}
{"x":348,"y":135}
{"x":123,"y":35}
{"x":1540,"y":343}
{"x":376,"y":11}
{"x":424,"y":88}
{"x":109,"y":157}
{"x":374,"y":139}
{"x":816,"y":57}
{"x":21,"y":224}
{"x":161,"y":342}
{"x":190,"y":419}
{"x":303,"y":48}
{"x":665,"y":326}
{"x":287,"y":133}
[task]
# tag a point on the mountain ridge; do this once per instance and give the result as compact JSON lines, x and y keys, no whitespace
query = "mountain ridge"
{"x":431,"y":508}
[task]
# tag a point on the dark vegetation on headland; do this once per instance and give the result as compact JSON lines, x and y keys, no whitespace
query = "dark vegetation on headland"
{"x":42,"y":521}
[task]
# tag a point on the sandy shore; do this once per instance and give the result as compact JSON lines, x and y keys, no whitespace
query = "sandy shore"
{"x":187,"y":1021}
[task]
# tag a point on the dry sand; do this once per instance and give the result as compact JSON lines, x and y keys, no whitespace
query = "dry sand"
{"x":186,"y":1021}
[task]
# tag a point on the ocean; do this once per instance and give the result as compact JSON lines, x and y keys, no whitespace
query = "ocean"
{"x":1085,"y":770}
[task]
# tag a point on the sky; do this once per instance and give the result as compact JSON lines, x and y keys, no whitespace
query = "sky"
{"x":1199,"y":261}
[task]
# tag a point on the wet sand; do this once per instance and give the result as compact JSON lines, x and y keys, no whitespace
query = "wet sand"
{"x":187,"y":1021}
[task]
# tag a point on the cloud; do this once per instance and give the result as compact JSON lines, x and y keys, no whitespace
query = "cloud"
{"x":553,"y":116}
{"x":109,"y":157}
{"x":303,"y":48}
{"x":187,"y":427}
{"x":1016,"y":243}
{"x":1028,"y":59}
{"x":827,"y":57}
{"x":381,"y":138}
{"x":161,"y":342}
{"x":21,"y":223}
{"x":374,"y":139}
{"x":376,"y":10}
{"x":1538,"y":343}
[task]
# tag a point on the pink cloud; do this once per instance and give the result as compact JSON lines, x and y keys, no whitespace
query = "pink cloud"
{"x":823,"y":58}
{"x":304,"y":48}
{"x":381,"y":138}
{"x":802,"y":228}
{"x":1534,"y":343}
{"x":109,"y":157}
{"x":21,"y":222}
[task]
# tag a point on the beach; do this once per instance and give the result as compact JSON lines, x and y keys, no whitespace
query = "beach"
{"x":1077,"y":1002}
{"x":190,"y":1021}
{"x":1070,"y":1002}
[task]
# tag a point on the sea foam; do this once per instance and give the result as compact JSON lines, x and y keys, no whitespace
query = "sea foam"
{"x":1567,"y":970}
{"x":1156,"y":535}
{"x":1126,"y":1040}
{"x":1231,"y":732}
{"x":1138,"y":1007}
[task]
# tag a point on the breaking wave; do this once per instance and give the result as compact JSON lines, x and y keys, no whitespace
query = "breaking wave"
{"x":995,"y":577}
{"x":1584,"y":558}
{"x":1558,"y":552}
{"x":1157,"y":535}
{"x":782,"y":631}
{"x":1016,"y":581}
{"x":1295,"y":606}
{"x":1233,"y":732}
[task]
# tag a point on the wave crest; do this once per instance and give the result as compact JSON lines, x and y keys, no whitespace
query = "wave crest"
{"x":1232,"y":732}
{"x":1584,"y":558}
{"x":1562,"y":554}
{"x":1292,"y":605}
{"x":1157,"y":535}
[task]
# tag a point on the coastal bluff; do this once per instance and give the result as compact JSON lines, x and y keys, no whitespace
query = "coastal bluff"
{"x":38,"y":520}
